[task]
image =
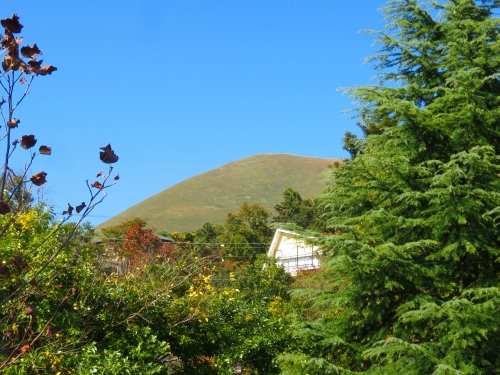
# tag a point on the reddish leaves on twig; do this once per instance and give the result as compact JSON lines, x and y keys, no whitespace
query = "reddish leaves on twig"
{"x":28,"y":141}
{"x":44,"y":70}
{"x":45,"y":150}
{"x":69,"y":211}
{"x":4,"y":208}
{"x":35,"y":64}
{"x":13,"y":123}
{"x":101,"y":173}
{"x":38,"y":179}
{"x":13,"y":63}
{"x":10,"y":43}
{"x":107,"y":155}
{"x":80,"y":207}
{"x":12,"y":24}
{"x":97,"y":185}
{"x":30,"y":52}
{"x":30,"y":310}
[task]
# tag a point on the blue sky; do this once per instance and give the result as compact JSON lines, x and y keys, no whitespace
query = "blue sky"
{"x":180,"y":87}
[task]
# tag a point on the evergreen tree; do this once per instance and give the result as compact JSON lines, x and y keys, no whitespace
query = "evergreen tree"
{"x":295,"y":210}
{"x":410,"y":283}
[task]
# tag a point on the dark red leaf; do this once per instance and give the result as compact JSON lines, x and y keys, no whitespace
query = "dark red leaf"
{"x":4,"y":208}
{"x":12,"y":24}
{"x":13,"y":123}
{"x":30,"y":52}
{"x":69,"y":211}
{"x":30,"y":310}
{"x":35,"y":64}
{"x":80,"y":207}
{"x":45,"y":150}
{"x":107,"y":155}
{"x":97,"y":185}
{"x":33,"y":282}
{"x":28,"y":141}
{"x":38,"y":179}
{"x":11,"y":44}
{"x":44,"y":70}
{"x":13,"y":63}
{"x":101,"y":173}
{"x":22,"y":80}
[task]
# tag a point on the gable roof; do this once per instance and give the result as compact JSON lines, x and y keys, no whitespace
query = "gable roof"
{"x":292,"y":252}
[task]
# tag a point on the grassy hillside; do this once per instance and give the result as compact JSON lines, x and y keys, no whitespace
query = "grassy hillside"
{"x":209,"y":196}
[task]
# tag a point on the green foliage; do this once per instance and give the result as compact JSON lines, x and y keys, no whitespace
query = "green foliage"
{"x":411,"y":274}
{"x":295,"y":210}
{"x":175,"y":313}
{"x":250,"y":229}
{"x":240,"y":321}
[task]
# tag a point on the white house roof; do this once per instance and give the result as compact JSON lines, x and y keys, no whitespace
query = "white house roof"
{"x":292,"y":252}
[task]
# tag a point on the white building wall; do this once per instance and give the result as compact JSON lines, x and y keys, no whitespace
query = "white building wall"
{"x":292,"y":253}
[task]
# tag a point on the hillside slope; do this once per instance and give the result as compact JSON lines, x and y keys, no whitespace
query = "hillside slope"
{"x":209,"y":196}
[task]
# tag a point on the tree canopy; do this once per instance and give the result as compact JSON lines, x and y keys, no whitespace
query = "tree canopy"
{"x":411,"y":277}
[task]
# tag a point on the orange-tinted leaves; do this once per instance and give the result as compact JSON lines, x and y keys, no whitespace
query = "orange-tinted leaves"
{"x":13,"y":123}
{"x":30,"y":310}
{"x":25,"y":348}
{"x":38,"y":179}
{"x":4,"y":208}
{"x":107,"y":155}
{"x":28,"y":141}
{"x":12,"y":24}
{"x":22,"y":80}
{"x":80,"y":207}
{"x":97,"y":185}
{"x":45,"y":150}
{"x":30,"y":52}
{"x":69,"y":211}
{"x":101,"y":173}
{"x":117,"y":177}
{"x":44,"y":70}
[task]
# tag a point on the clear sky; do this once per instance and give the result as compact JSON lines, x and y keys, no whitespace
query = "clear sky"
{"x":180,"y":87}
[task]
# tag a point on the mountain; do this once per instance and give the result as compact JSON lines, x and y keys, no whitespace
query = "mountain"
{"x":209,"y":196}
